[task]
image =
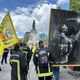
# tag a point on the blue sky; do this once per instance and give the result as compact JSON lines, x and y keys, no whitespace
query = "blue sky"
{"x":24,"y":11}
{"x":12,"y":4}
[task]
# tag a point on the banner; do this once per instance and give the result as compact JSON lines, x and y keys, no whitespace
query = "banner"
{"x":64,"y":36}
{"x":1,"y":42}
{"x":9,"y":36}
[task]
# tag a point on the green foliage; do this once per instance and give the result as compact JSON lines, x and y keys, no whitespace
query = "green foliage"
{"x":75,"y":5}
{"x":26,"y":39}
{"x":43,"y":37}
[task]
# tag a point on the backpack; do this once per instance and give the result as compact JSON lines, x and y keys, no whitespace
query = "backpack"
{"x":43,"y":57}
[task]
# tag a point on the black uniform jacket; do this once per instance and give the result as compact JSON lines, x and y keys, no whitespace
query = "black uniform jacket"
{"x":18,"y":66}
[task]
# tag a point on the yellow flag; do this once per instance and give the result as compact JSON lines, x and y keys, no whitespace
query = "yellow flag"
{"x":1,"y":44}
{"x":1,"y":47}
{"x":9,"y":34}
{"x":34,"y":49}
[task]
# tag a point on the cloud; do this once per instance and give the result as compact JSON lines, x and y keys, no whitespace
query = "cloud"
{"x":59,"y":2}
{"x":22,"y":17}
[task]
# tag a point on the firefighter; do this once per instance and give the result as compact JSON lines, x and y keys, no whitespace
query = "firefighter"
{"x":27,"y":52}
{"x":62,"y":45}
{"x":4,"y":56}
{"x":42,"y":60}
{"x":18,"y":64}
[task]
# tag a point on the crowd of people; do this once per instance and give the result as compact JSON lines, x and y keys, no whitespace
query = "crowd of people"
{"x":20,"y":57}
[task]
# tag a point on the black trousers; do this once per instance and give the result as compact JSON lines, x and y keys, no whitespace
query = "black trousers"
{"x":4,"y":57}
{"x":45,"y":78}
{"x":0,"y":68}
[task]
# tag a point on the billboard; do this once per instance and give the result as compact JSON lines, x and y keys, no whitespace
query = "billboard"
{"x":64,"y":32}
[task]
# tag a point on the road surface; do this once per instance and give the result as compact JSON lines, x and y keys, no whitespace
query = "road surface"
{"x":64,"y":75}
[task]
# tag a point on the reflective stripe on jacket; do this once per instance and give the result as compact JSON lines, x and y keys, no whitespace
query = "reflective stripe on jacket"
{"x":19,"y":66}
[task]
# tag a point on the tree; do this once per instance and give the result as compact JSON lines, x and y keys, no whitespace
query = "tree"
{"x":42,"y":36}
{"x":75,"y":5}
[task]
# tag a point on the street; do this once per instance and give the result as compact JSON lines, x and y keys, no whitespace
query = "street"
{"x":64,"y":75}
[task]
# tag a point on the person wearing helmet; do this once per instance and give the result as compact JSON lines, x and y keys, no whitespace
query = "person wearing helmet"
{"x":62,"y":45}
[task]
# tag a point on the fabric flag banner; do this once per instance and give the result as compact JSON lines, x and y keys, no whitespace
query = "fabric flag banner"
{"x":9,"y":36}
{"x":1,"y":42}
